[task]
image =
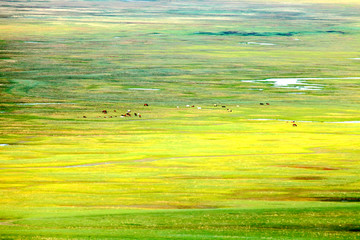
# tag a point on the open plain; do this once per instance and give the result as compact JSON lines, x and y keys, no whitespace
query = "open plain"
{"x":251,"y":129}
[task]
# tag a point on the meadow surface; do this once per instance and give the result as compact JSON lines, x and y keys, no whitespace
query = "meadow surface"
{"x":69,"y":171}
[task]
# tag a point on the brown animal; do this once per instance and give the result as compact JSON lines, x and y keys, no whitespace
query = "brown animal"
{"x":146,"y":105}
{"x":84,"y":116}
{"x":261,"y":103}
{"x":139,"y":115}
{"x":294,"y":125}
{"x":267,"y":103}
{"x":104,"y":111}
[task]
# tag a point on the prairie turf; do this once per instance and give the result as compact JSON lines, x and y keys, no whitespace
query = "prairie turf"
{"x":179,"y":172}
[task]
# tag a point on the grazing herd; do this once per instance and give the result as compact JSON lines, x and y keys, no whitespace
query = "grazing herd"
{"x":128,"y":113}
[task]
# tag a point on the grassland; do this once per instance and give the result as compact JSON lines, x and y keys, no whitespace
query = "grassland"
{"x":179,"y":172}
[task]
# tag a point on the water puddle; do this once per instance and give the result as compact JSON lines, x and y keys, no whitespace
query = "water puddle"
{"x":259,"y":43}
{"x":3,"y":144}
{"x":33,"y":42}
{"x":296,"y":83}
{"x":144,"y":89}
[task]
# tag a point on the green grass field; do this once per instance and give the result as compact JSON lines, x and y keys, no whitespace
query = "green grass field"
{"x":69,"y":171}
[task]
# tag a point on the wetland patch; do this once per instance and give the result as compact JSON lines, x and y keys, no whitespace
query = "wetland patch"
{"x":259,"y":43}
{"x":297,"y":83}
{"x":266,"y":34}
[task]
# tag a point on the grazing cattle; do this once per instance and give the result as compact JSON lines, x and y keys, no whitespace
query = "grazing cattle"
{"x":135,"y":114}
{"x":123,"y":115}
{"x":261,"y":103}
{"x":128,"y":114}
{"x":114,"y":110}
{"x":192,"y":106}
{"x":215,"y":105}
{"x":187,"y":105}
{"x":294,"y":125}
{"x":139,"y":115}
{"x":223,"y":106}
{"x":129,"y":110}
{"x":84,"y":116}
{"x":104,"y":111}
{"x":267,"y":103}
{"x":229,"y":110}
{"x":199,"y":108}
{"x":146,"y":105}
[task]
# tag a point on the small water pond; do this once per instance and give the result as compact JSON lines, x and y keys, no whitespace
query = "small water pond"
{"x":296,"y":83}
